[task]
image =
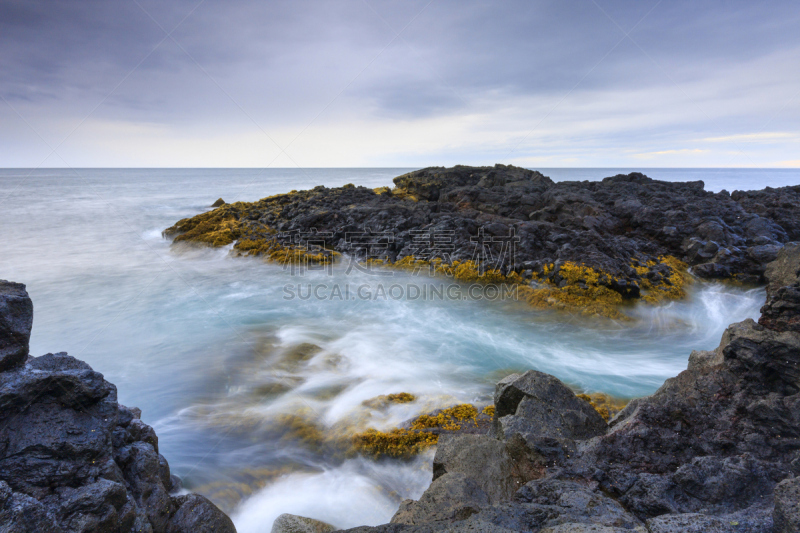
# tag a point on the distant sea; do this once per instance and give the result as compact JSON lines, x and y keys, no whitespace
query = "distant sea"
{"x":203,"y":342}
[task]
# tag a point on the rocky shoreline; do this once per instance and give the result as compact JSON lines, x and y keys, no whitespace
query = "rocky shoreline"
{"x":584,"y":246}
{"x":715,"y":450}
{"x":72,"y":459}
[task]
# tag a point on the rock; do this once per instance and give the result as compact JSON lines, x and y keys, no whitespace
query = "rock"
{"x":218,"y":203}
{"x":784,"y":270}
{"x":485,"y":460}
{"x":16,"y":319}
{"x":289,"y":523}
{"x":781,"y":312}
{"x":712,"y":271}
{"x":450,"y":497}
{"x":196,"y":514}
{"x":764,"y":253}
{"x":632,"y":233}
{"x":786,"y":516}
{"x":778,"y":205}
{"x":584,"y":528}
{"x":570,"y":502}
{"x":700,"y":523}
{"x":704,"y":359}
{"x":73,"y":459}
{"x":540,"y":408}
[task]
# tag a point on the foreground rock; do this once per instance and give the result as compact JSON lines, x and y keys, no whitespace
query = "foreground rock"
{"x":715,"y":449}
{"x":71,"y":458}
{"x":575,"y":245}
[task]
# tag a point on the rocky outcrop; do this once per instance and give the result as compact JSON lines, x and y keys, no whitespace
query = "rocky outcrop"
{"x":715,"y":449}
{"x":575,"y":245}
{"x":778,"y":204}
{"x":71,"y":458}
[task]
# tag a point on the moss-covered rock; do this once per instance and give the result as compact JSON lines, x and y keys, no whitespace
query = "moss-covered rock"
{"x":587,"y":247}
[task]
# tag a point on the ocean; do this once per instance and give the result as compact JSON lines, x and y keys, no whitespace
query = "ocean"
{"x":237,"y":378}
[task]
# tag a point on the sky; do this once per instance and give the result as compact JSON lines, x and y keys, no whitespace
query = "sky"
{"x":399,"y":83}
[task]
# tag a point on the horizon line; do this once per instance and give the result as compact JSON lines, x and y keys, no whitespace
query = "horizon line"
{"x":392,"y":167}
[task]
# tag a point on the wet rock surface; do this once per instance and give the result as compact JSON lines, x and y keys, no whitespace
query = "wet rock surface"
{"x":72,"y":459}
{"x":631,"y":231}
{"x":715,"y":449}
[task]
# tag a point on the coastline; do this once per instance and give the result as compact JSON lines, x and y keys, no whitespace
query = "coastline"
{"x":582,"y":273}
{"x":714,"y":449}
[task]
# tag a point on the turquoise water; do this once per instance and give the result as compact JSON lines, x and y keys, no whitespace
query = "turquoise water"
{"x":198,"y":339}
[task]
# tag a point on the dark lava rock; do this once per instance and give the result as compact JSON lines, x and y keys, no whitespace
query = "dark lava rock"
{"x":620,"y":226}
{"x":450,"y":497}
{"x":537,"y":404}
{"x":779,"y":204}
{"x":16,"y":320}
{"x":197,"y":514}
{"x":782,"y":310}
{"x":489,"y":462}
{"x":73,"y":460}
{"x":715,"y":449}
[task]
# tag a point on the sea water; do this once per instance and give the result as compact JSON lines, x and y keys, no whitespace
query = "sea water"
{"x":221,"y":360}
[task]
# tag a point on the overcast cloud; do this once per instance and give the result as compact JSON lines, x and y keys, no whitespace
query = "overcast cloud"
{"x":399,"y":83}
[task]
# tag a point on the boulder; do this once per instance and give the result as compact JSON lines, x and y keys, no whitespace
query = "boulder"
{"x":545,"y":414}
{"x":484,"y":459}
{"x":218,"y":203}
{"x":450,"y":497}
{"x":16,"y":319}
{"x":196,"y":514}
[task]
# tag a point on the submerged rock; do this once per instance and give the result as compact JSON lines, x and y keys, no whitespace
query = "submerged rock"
{"x":715,"y":449}
{"x":72,"y":459}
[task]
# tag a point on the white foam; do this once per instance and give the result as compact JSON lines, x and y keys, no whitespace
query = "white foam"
{"x":359,"y":492}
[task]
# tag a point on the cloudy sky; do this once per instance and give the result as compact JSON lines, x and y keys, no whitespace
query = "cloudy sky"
{"x":574,"y":83}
